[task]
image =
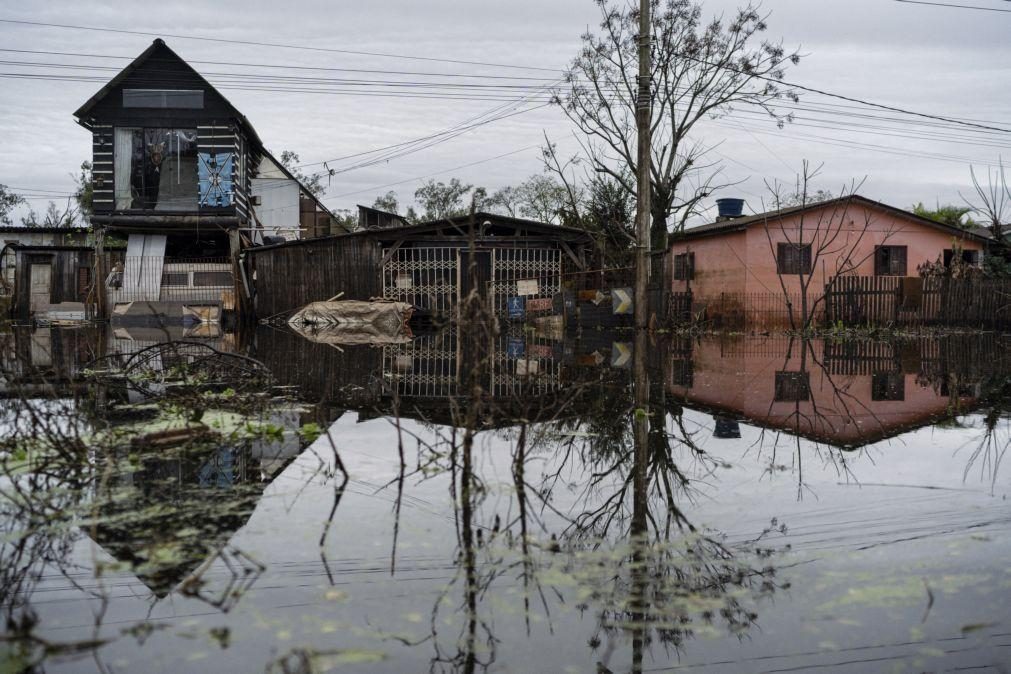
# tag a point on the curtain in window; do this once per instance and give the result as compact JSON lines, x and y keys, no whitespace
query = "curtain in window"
{"x":122,"y":153}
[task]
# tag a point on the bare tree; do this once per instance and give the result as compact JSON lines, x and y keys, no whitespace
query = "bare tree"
{"x":54,"y":216}
{"x":816,"y":244}
{"x":699,"y":70}
{"x":993,"y":199}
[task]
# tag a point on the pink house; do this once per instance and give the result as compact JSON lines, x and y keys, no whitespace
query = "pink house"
{"x":752,"y":264}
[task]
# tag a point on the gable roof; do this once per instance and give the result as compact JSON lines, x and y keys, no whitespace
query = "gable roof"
{"x":158,"y":45}
{"x":742,"y":223}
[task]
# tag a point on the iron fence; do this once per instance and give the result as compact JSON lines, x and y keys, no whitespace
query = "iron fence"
{"x":157,"y":279}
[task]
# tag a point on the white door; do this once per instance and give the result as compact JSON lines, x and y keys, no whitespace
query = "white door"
{"x":41,"y":283}
{"x":145,"y":257}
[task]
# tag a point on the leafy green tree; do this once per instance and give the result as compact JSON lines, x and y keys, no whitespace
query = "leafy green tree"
{"x":84,"y":194}
{"x":8,"y":202}
{"x":440,"y":200}
{"x":387,"y":202}
{"x":609,"y":215}
{"x":346,"y":219}
{"x":505,"y":201}
{"x":313,"y":183}
{"x":539,"y":197}
{"x":542,"y":198}
{"x":949,"y":214}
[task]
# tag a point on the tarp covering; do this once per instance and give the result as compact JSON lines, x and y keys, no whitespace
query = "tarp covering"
{"x":354,"y":322}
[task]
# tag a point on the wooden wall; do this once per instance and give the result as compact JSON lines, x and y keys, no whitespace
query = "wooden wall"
{"x":66,"y":281}
{"x":289,"y":276}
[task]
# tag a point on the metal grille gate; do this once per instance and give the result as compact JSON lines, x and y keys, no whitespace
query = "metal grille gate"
{"x":424,"y":277}
{"x":430,"y":277}
{"x":535,"y":273}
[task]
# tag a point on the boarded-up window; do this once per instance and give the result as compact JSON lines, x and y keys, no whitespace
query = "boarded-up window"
{"x":212,"y":278}
{"x":889,"y":260}
{"x":684,"y":267}
{"x":888,"y":386}
{"x":793,"y":258}
{"x":83,"y":281}
{"x":793,"y":386}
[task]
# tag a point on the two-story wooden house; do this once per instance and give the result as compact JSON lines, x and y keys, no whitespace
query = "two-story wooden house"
{"x":184,"y":177}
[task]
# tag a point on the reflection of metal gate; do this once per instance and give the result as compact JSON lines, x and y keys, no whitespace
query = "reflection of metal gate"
{"x":426,"y":367}
{"x":533,"y":273}
{"x":524,"y":364}
{"x":424,"y":277}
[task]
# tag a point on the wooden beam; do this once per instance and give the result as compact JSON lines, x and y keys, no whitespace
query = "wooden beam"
{"x":572,"y":255}
{"x":388,"y":255}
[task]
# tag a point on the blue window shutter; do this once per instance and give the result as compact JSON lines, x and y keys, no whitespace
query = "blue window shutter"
{"x":215,"y":173}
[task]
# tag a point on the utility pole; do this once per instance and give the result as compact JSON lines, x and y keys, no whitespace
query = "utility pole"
{"x":640,"y":420}
{"x":643,"y":106}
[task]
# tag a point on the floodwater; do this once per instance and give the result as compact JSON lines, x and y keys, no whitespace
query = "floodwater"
{"x":463,"y":501}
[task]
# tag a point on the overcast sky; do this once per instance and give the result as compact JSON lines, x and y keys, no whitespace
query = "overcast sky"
{"x":944,"y":61}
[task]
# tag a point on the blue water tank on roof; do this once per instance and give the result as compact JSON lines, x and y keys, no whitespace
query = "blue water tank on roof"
{"x":730,"y":208}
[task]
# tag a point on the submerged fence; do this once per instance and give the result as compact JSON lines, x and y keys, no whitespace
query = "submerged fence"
{"x":912,"y":301}
{"x":756,"y":311}
{"x":154,"y":279}
{"x":856,"y":301}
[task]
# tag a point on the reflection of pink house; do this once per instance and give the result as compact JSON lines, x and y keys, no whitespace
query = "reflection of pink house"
{"x":815,"y":390}
{"x":757,"y":259}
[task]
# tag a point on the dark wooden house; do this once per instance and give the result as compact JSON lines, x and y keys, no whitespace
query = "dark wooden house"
{"x":515,"y":261}
{"x":181,"y":173}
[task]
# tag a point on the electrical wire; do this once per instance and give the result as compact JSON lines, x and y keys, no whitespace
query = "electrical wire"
{"x":274,"y":45}
{"x":947,"y":4}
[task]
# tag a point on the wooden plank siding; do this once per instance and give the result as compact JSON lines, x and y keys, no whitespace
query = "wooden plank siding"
{"x":286,"y":278}
{"x":66,"y":265}
{"x":102,"y":168}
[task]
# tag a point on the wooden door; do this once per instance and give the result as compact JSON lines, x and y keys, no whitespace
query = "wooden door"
{"x":41,"y":276}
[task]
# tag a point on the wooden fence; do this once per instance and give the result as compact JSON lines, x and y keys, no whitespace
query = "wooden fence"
{"x":911,"y":301}
{"x":286,"y":277}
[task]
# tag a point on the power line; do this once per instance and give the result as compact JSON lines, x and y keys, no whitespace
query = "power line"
{"x":275,"y":45}
{"x":851,"y":99}
{"x":948,"y":4}
{"x":283,"y":66}
{"x":431,"y":175}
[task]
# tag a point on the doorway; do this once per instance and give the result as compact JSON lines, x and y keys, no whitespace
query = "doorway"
{"x":41,"y":276}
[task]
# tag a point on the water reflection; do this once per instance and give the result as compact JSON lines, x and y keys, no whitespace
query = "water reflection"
{"x":475,"y":500}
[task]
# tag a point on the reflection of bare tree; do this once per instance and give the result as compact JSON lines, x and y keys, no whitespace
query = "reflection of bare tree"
{"x":989,"y":452}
